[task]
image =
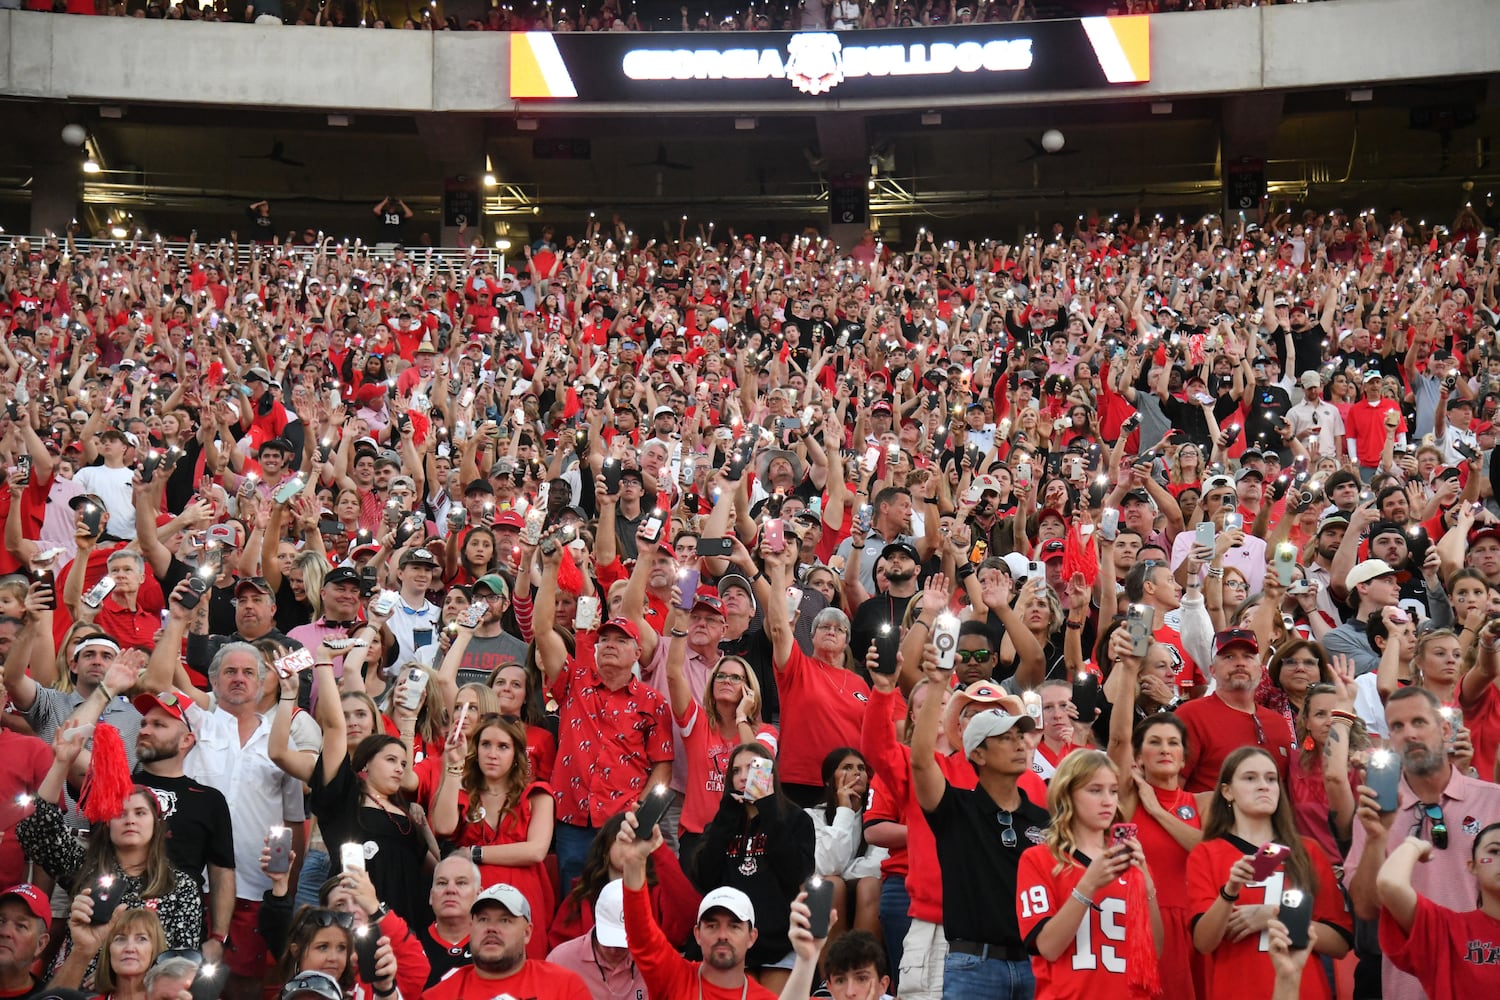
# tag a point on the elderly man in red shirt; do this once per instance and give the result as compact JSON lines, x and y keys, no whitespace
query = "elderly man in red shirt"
{"x":615,"y":735}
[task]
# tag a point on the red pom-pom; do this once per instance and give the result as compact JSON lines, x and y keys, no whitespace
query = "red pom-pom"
{"x":1140,"y":944}
{"x":569,"y":576}
{"x":109,"y":781}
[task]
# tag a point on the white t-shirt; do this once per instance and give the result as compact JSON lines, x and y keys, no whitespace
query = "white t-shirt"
{"x":113,"y":487}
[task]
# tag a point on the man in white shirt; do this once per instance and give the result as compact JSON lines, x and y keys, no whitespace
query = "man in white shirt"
{"x":232,"y":754}
{"x":110,"y":482}
{"x":1315,"y":420}
{"x":414,"y":622}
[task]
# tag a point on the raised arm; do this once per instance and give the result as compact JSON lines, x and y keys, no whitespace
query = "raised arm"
{"x":927,"y":777}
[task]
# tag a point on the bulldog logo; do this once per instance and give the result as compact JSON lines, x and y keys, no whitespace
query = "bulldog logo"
{"x":815,"y":62}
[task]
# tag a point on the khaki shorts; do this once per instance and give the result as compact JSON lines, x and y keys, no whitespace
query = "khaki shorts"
{"x":922,"y":956}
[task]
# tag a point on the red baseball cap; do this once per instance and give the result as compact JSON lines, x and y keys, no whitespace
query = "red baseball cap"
{"x":1053,"y":548}
{"x":35,"y":900}
{"x":510,"y":518}
{"x":623,"y":625}
{"x":171,"y":702}
{"x":1236,"y":637}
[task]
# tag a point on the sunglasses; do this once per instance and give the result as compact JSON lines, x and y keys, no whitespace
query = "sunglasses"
{"x":1437,"y":826}
{"x":1007,"y":828}
{"x":328,"y":918}
{"x":973,"y":655}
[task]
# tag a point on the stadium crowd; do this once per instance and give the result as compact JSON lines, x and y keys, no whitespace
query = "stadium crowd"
{"x":1111,"y":612}
{"x":612,"y":15}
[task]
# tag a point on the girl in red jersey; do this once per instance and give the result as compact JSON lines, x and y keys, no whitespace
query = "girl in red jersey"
{"x":1072,"y":891}
{"x":1450,"y":953}
{"x":1231,"y":908}
{"x":1153,"y":752}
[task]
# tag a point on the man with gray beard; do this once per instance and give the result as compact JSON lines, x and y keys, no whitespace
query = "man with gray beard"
{"x":1438,"y":800}
{"x":1222,"y":722}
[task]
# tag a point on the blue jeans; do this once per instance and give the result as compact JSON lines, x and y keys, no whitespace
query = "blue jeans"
{"x":969,"y":977}
{"x":572,"y":843}
{"x":894,"y":921}
{"x":314,"y":873}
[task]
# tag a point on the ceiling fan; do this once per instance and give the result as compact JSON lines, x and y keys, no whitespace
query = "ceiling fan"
{"x":276,"y":155}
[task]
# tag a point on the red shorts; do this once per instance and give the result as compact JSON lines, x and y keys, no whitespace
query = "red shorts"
{"x":245,"y":952}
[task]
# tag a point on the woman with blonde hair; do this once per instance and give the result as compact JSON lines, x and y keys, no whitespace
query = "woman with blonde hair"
{"x":488,"y":804}
{"x":1084,"y":898}
{"x":122,"y":951}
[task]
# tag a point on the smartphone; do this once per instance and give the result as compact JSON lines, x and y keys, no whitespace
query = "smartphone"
{"x":99,"y":591}
{"x":23,"y":469}
{"x":351,"y":856}
{"x":393,"y":514}
{"x":587,"y":612}
{"x":366,"y":940}
{"x":887,"y":643}
{"x":775,"y":534}
{"x":871,"y":459}
{"x":1121,"y":832}
{"x":149,"y":464}
{"x":1295,"y":913}
{"x":715,"y":547}
{"x":1383,"y":776}
{"x":651,"y":529}
{"x":531,"y":533}
{"x":416,"y":683}
{"x":1234,"y":521}
{"x":793,"y":601}
{"x":1454,"y":717}
{"x":1023,"y":474}
{"x":651,"y":810}
{"x":739,"y":461}
{"x":978,"y":551}
{"x":1286,"y":562}
{"x":279,"y":842}
{"x":108,"y":893}
{"x":612,"y":472}
{"x":1140,"y":623}
{"x":474,"y":614}
{"x":759,"y":779}
{"x":288,"y":489}
{"x":341,"y":644}
{"x":294,"y":662}
{"x":865,"y":517}
{"x":385,"y":604}
{"x":42,"y":576}
{"x":208,"y":982}
{"x":819,"y":905}
{"x":1109,"y":524}
{"x":1036,"y":570}
{"x":1086,"y":695}
{"x":93,"y":519}
{"x":945,"y":640}
{"x":1204,"y":534}
{"x":1266,"y":860}
{"x":1075,"y":468}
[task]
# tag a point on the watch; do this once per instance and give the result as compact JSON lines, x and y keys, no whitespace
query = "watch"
{"x":475,"y":854}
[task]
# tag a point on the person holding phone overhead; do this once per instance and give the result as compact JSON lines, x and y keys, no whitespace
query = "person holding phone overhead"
{"x":1084,"y":897}
{"x":359,"y":805}
{"x":1250,"y":855}
{"x":1432,"y":942}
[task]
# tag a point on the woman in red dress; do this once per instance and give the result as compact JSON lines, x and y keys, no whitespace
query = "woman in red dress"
{"x":488,"y":804}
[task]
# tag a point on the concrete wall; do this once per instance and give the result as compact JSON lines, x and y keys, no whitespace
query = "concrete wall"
{"x":117,"y":60}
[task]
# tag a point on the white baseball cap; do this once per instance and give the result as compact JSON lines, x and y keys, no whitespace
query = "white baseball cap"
{"x":725,"y":898}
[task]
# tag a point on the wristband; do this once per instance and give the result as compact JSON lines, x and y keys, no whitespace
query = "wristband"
{"x":385,"y":993}
{"x":1339,"y":715}
{"x":108,"y":694}
{"x":1226,"y":897}
{"x":760,"y":575}
{"x":1087,"y":902}
{"x":1074,"y":626}
{"x":853,"y":546}
{"x":920,"y":622}
{"x":217,"y":936}
{"x":1216,"y":573}
{"x":475,"y":854}
{"x":677,"y":633}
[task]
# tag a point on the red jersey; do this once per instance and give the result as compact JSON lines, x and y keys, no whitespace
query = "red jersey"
{"x":1215,"y":730}
{"x":535,"y":980}
{"x":1483,"y":721}
{"x":1364,"y":424}
{"x":1238,"y":969}
{"x":608,"y":741}
{"x":1452,"y":954}
{"x":1093,"y":966}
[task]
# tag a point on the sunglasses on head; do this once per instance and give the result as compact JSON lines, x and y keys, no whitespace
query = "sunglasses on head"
{"x":328,"y":918}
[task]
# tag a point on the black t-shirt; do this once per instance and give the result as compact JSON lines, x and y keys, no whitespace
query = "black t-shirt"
{"x":755,"y":647}
{"x":1308,"y":344}
{"x":442,"y":957}
{"x":1187,"y":418}
{"x":1266,"y":405}
{"x":869,"y":616}
{"x":199,"y":830}
{"x":979,"y":869}
{"x":394,"y":846}
{"x":392,"y":224}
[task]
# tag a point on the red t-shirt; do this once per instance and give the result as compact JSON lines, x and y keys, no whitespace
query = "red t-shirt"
{"x":1093,"y":966}
{"x":1483,"y":722}
{"x":608,"y":740}
{"x":1365,"y":425}
{"x":1165,"y":856}
{"x":1215,"y":731}
{"x":708,"y":760}
{"x":668,"y":974}
{"x":823,"y":708}
{"x":1238,"y":969}
{"x":535,"y":979}
{"x":1452,"y":954}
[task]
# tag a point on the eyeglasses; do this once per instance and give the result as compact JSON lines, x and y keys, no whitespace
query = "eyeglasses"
{"x":973,"y":655}
{"x":720,"y":676}
{"x":831,"y":627}
{"x":1437,"y":826}
{"x":1308,"y":663}
{"x":1007,"y":828}
{"x":327,"y":918}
